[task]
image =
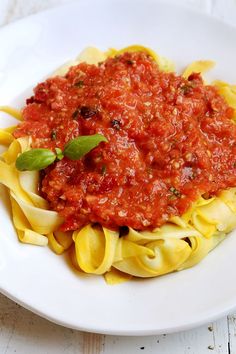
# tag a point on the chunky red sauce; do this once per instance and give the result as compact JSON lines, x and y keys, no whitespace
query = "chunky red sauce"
{"x":170,"y":141}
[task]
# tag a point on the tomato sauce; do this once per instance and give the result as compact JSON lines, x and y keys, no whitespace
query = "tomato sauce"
{"x":170,"y":140}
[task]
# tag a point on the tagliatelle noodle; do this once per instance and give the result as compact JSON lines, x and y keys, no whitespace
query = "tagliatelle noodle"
{"x":128,"y":249}
{"x":229,"y":198}
{"x":95,"y":248}
{"x":11,"y":111}
{"x":114,"y":276}
{"x":200,"y":66}
{"x":42,"y":221}
{"x":60,"y":241}
{"x":55,"y":245}
{"x":29,"y":181}
{"x":200,"y":248}
{"x":90,"y":55}
{"x":24,"y":198}
{"x":164,"y":63}
{"x":24,"y":229}
{"x":169,"y":254}
{"x":9,"y":176}
{"x":6,"y":135}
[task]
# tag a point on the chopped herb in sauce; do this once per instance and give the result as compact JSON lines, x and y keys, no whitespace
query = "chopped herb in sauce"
{"x":53,"y":135}
{"x":175,"y":192}
{"x":115,"y":123}
{"x":186,"y":89}
{"x":103,"y":170}
{"x":130,"y":62}
{"x":79,"y":83}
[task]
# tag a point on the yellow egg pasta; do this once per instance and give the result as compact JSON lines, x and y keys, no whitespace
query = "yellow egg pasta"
{"x":164,"y":63}
{"x":15,"y":113}
{"x":95,"y":248}
{"x":200,"y":66}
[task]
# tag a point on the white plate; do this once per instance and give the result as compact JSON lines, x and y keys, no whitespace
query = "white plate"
{"x":42,"y":281}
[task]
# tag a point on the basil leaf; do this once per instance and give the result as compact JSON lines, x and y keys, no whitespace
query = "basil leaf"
{"x":59,"y":154}
{"x":78,"y":147}
{"x":35,"y":159}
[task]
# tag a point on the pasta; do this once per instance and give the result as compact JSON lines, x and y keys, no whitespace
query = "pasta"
{"x":180,"y":243}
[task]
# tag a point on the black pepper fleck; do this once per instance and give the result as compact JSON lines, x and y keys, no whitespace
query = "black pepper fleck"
{"x":210,"y":347}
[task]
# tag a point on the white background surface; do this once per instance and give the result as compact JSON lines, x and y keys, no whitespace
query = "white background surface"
{"x":24,"y":332}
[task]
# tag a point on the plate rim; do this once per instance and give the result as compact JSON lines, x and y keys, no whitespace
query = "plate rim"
{"x":126,"y":332}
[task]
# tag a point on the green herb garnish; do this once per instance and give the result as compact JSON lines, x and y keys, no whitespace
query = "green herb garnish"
{"x":59,"y":154}
{"x":38,"y":159}
{"x":80,"y":146}
{"x":35,"y":159}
